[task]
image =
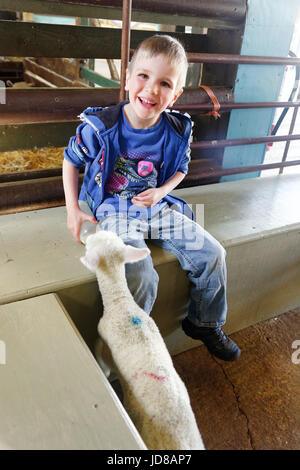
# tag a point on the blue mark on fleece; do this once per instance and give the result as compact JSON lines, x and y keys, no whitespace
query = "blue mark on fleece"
{"x":136,"y":320}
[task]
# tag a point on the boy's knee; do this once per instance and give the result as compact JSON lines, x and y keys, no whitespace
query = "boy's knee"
{"x":215,"y":250}
{"x":142,"y":275}
{"x":142,"y":280}
{"x":220,"y":252}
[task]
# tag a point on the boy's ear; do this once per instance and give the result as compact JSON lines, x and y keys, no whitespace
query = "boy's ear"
{"x":175,"y":97}
{"x":126,"y":81}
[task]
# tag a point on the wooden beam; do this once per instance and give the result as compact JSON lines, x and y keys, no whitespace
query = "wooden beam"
{"x":28,"y":136}
{"x":32,"y":194}
{"x":47,"y":74}
{"x":113,"y":13}
{"x":37,"y":80}
{"x":45,"y":104}
{"x":20,"y":39}
{"x":33,"y":174}
{"x":230,"y":9}
{"x":65,"y":104}
{"x":62,"y":66}
{"x":29,"y":193}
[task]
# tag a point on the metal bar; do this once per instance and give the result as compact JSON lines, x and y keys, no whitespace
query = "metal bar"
{"x":235,"y":171}
{"x":244,"y":105}
{"x":209,"y":144}
{"x":95,"y":77}
{"x":205,"y":58}
{"x":125,"y":45}
{"x":287,"y":145}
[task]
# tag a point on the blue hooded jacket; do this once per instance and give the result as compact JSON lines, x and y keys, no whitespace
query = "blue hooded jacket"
{"x":96,"y":145}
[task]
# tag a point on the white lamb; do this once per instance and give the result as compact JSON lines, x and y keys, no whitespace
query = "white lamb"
{"x":155,"y":397}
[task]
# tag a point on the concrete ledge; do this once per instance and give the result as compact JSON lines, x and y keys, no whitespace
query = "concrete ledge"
{"x":257,"y":221}
{"x":53,"y":393}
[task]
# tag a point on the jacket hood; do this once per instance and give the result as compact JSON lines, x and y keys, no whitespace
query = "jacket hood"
{"x":102,"y":119}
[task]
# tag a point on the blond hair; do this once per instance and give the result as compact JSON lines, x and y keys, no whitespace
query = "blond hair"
{"x":170,"y":47}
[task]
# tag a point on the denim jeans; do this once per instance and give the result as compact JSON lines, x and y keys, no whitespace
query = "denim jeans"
{"x":199,"y":254}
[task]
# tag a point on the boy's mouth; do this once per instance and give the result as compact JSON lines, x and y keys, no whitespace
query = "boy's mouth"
{"x":146,"y":103}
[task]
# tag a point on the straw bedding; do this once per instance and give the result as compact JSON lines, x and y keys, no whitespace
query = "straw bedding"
{"x":34,"y":159}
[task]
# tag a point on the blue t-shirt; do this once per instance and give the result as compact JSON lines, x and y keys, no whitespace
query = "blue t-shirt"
{"x":136,"y":169}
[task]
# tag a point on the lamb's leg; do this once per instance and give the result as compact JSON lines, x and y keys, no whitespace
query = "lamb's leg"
{"x":104,"y":359}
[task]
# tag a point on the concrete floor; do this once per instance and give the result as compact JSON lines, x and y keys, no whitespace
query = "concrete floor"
{"x":253,"y":403}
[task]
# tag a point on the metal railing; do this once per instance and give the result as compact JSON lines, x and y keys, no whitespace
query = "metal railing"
{"x":43,"y":188}
{"x":196,"y":107}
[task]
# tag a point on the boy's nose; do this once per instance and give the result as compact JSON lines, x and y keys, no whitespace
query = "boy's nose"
{"x":152,"y":88}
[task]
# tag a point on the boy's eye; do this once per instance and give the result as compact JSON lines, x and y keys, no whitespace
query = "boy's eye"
{"x":165,"y":84}
{"x":143,"y":75}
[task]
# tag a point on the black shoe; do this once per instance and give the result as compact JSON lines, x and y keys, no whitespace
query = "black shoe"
{"x":216,"y":341}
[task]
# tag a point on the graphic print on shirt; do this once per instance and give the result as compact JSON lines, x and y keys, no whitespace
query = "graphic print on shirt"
{"x":133,"y":173}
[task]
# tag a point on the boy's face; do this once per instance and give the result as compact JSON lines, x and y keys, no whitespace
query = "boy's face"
{"x":152,"y":88}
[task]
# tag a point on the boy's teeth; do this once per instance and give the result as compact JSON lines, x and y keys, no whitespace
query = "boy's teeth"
{"x":145,"y":101}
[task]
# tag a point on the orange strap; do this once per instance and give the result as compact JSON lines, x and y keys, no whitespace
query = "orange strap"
{"x":215,"y":101}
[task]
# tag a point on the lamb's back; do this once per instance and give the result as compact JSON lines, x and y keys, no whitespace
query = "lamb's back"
{"x":134,"y":337}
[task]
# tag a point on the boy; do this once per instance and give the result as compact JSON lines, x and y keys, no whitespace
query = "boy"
{"x":136,"y":153}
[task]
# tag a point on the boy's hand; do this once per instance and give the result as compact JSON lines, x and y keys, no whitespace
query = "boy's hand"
{"x":75,"y":219}
{"x":149,"y":198}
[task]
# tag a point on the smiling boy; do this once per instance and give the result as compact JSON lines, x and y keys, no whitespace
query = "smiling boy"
{"x":153,"y":85}
{"x":135,"y":154}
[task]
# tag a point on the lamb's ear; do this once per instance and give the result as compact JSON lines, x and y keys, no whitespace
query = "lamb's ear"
{"x":133,"y":254}
{"x":90,"y":262}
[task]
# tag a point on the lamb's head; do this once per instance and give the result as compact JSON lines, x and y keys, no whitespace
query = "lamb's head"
{"x":105,"y":247}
